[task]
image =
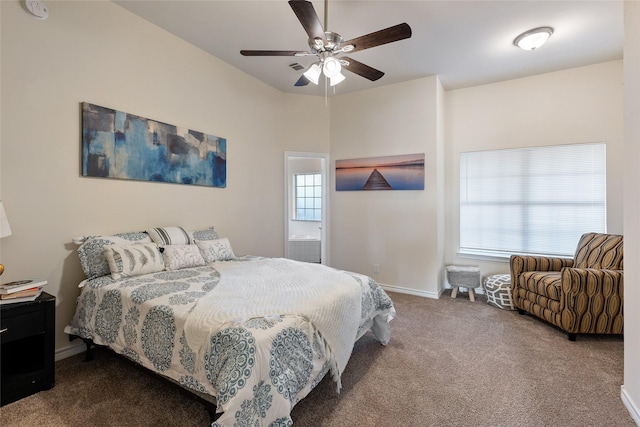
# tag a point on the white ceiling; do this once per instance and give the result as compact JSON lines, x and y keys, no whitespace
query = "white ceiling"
{"x":465,"y":43}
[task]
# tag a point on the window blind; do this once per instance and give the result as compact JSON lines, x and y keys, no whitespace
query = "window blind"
{"x":536,"y":200}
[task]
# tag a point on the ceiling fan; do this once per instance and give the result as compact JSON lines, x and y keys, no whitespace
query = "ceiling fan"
{"x":328,"y":46}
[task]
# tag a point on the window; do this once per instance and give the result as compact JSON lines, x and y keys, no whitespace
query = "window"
{"x":536,"y":200}
{"x":308,"y":198}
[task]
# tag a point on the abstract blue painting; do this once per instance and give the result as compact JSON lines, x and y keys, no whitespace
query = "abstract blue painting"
{"x":125,"y":146}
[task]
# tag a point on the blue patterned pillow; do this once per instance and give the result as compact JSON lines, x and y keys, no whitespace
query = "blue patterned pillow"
{"x":207,"y":234}
{"x":91,"y":252}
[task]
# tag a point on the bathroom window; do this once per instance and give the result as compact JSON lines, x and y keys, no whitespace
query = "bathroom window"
{"x":308,"y":196}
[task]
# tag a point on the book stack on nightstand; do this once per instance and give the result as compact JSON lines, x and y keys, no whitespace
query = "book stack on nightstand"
{"x":27,"y":347}
{"x":21,"y":291}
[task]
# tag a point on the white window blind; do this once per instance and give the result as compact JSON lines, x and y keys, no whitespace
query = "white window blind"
{"x":537,"y":200}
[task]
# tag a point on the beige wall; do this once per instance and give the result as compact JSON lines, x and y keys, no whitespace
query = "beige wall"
{"x":631,"y":388}
{"x":411,"y":235}
{"x":398,"y":230}
{"x":100,"y":53}
{"x":573,"y":106}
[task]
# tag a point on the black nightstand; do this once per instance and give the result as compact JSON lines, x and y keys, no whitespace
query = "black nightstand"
{"x":26,"y":347}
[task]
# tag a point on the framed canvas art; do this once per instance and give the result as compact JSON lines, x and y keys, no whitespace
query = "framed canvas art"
{"x":125,"y":146}
{"x":403,"y":172}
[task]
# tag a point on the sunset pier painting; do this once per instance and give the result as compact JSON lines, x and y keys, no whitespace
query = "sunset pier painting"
{"x":403,"y":172}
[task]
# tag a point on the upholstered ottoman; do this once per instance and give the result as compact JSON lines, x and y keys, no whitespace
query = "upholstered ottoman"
{"x":498,"y":291}
{"x":463,"y":276}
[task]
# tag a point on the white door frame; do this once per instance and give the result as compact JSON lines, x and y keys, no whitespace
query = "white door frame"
{"x":288,"y":201}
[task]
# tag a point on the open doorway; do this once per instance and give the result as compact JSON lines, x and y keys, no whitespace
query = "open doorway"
{"x":306,"y":206}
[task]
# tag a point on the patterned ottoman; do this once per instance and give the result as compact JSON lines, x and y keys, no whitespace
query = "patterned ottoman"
{"x":498,"y":291}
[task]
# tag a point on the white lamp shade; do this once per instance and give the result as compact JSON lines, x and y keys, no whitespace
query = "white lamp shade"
{"x":313,"y":73}
{"x":331,"y":67}
{"x":336,"y":79}
{"x":5,"y":228}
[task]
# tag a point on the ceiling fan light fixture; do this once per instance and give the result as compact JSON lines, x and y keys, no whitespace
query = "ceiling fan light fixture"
{"x":336,"y":79}
{"x":533,"y":39}
{"x":313,"y":73}
{"x":331,"y":67}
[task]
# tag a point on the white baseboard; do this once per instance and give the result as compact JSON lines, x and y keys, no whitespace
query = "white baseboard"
{"x":410,"y":291}
{"x":478,"y":290}
{"x":425,"y":294}
{"x":70,"y":350}
{"x":631,"y":407}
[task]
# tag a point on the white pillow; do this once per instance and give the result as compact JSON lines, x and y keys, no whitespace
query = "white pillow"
{"x":133,"y":260}
{"x":182,"y":256}
{"x":170,"y":236}
{"x":216,"y":250}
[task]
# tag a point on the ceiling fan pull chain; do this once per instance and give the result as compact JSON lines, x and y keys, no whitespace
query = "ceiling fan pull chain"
{"x":326,"y":95}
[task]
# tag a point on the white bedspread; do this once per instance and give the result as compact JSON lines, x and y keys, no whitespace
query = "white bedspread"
{"x":329,"y":298}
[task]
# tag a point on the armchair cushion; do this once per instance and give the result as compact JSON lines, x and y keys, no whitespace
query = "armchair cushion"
{"x":545,"y":283}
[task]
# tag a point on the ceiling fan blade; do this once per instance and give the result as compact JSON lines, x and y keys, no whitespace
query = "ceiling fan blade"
{"x":308,"y":18}
{"x":361,"y":69}
{"x":388,"y":35}
{"x":302,"y":81}
{"x":272,"y":53}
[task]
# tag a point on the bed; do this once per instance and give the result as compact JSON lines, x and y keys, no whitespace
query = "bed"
{"x":256,"y":333}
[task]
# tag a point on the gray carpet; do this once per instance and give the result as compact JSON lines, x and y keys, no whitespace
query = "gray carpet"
{"x":450,"y":362}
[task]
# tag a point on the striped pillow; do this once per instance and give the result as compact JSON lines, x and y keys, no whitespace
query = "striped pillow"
{"x":170,"y":236}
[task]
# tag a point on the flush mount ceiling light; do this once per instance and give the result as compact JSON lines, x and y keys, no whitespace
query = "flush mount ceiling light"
{"x":533,"y":39}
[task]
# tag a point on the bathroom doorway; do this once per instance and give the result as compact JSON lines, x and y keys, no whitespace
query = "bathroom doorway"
{"x":306,"y":206}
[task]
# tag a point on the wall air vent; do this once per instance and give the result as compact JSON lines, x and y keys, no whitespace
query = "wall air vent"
{"x":296,"y":66}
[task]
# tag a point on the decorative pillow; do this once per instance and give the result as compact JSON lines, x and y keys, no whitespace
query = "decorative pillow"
{"x":91,"y":252}
{"x":207,"y":234}
{"x":133,"y":260}
{"x":181,"y":256}
{"x":170,"y":236}
{"x":216,"y":250}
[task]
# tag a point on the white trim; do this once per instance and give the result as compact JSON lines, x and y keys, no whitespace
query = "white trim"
{"x":502,"y":256}
{"x":325,"y":255}
{"x":484,"y":256}
{"x":477,"y":290}
{"x":631,"y":407}
{"x":410,"y":291}
{"x":70,"y":350}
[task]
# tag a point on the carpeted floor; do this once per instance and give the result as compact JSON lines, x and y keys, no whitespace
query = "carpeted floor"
{"x":450,"y":362}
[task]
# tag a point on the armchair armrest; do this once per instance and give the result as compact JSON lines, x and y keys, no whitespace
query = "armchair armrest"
{"x":522,"y":263}
{"x":592,"y":300}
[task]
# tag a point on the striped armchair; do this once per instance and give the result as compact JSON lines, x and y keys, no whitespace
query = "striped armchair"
{"x":583,"y":295}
